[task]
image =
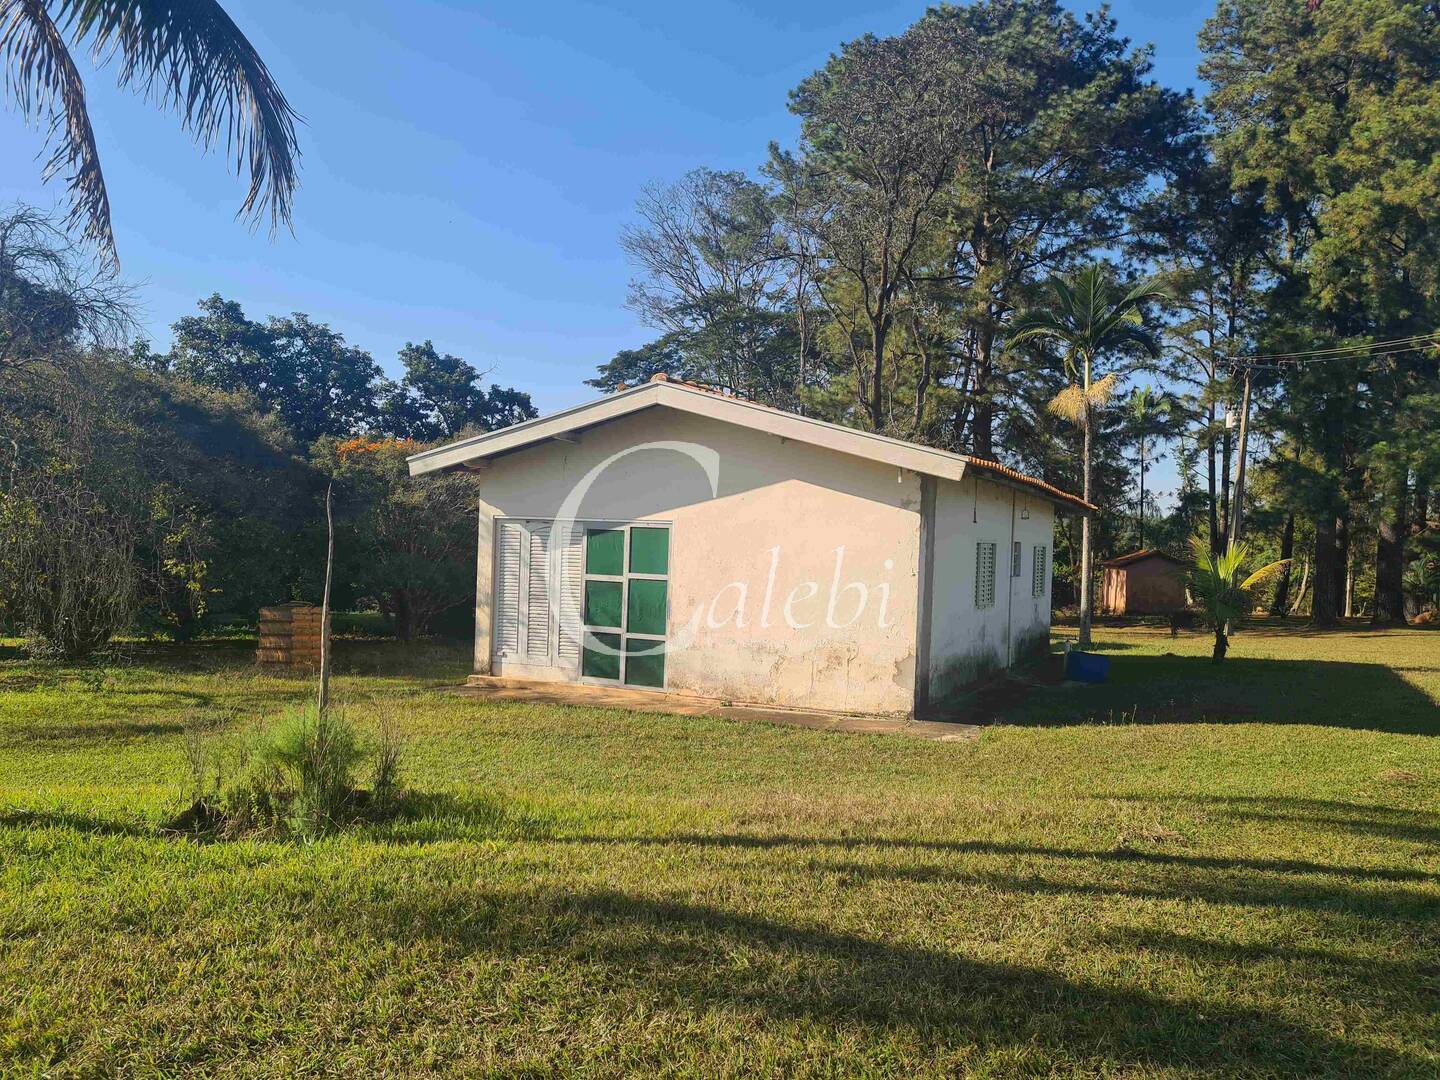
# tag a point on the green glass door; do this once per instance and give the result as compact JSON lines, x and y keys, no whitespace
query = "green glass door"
{"x":626,"y":603}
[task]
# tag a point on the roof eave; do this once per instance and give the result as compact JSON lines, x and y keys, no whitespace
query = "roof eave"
{"x":867,"y":445}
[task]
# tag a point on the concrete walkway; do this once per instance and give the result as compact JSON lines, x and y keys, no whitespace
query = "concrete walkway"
{"x":497,"y":688}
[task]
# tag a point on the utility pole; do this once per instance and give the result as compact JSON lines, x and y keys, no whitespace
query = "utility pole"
{"x":1238,"y":512}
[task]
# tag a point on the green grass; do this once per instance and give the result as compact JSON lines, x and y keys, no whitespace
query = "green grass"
{"x":1089,"y":890}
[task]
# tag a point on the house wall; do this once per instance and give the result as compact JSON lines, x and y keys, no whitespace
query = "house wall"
{"x":1112,"y":591}
{"x":968,"y":643}
{"x":758,"y":525}
{"x":1152,"y":587}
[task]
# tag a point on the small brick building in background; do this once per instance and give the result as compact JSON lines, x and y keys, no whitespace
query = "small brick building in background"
{"x":1147,"y":582}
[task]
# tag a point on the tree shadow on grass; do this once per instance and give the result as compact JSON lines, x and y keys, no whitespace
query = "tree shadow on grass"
{"x":1398,"y":986}
{"x":1126,"y":856}
{"x":692,"y":956}
{"x":90,"y":824}
{"x":1365,"y":819}
{"x":1190,"y":689}
{"x":101,"y":731}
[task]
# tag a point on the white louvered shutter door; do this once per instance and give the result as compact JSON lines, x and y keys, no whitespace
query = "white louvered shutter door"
{"x":507,"y":588}
{"x":572,"y":580}
{"x":537,"y":607}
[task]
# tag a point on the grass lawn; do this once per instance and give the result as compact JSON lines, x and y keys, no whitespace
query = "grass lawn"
{"x":1182,"y":872}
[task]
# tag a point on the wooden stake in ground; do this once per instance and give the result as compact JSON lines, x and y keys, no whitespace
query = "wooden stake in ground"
{"x":323,"y":701}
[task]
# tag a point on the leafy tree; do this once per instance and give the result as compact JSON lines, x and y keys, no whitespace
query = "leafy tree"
{"x":712,"y":281}
{"x":663,"y":356}
{"x":1332,"y":112}
{"x":1031,"y":195}
{"x":440,"y":395}
{"x":1089,"y":317}
{"x":68,"y":536}
{"x":884,"y":128}
{"x":1212,"y":245}
{"x":135,"y":498}
{"x":189,"y":57}
{"x":300,"y":369}
{"x":321,"y":385}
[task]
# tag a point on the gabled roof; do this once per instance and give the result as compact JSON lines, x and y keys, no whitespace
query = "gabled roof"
{"x":689,"y":398}
{"x":1140,"y":556}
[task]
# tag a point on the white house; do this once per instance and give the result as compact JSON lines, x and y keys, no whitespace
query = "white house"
{"x":674,"y":538}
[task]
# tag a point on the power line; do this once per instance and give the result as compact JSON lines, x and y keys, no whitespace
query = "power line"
{"x":1295,"y":360}
{"x":1285,"y":365}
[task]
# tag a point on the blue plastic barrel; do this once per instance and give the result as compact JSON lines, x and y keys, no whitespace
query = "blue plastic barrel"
{"x":1086,"y":667}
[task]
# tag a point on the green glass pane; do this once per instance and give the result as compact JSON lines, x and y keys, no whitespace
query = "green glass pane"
{"x":644,"y":662}
{"x":605,"y":551}
{"x":602,"y":603}
{"x":645,"y":607}
{"x":649,"y":551}
{"x":602,"y":662}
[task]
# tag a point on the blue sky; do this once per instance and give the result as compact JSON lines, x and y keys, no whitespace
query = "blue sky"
{"x":468,"y":167}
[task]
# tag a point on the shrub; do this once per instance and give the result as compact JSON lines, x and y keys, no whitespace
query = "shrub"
{"x":313,"y":756}
{"x":296,"y":776}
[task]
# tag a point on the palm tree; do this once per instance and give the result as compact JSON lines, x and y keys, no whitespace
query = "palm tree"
{"x":1088,"y":317}
{"x":1147,"y":412}
{"x":185,"y":55}
{"x":1212,"y":581}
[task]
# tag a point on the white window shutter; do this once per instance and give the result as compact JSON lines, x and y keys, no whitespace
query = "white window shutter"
{"x":537,"y":605}
{"x":507,"y":588}
{"x":572,"y":581}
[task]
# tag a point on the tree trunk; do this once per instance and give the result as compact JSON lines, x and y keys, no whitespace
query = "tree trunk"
{"x":1287,"y":552}
{"x":1140,"y":516}
{"x":982,"y":431}
{"x":1226,"y":533}
{"x":1086,"y":555}
{"x":1342,"y":555}
{"x":1392,"y":529}
{"x":1222,"y":645}
{"x":876,"y":405}
{"x":404,"y":614}
{"x":1325,"y":608}
{"x":1210,"y":480}
{"x":1299,"y":605}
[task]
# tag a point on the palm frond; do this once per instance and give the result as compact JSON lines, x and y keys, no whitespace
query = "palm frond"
{"x":193,"y":58}
{"x":1265,"y":573}
{"x":1132,"y":334}
{"x":1036,"y":324}
{"x":1064,"y":296}
{"x":1149,"y":289}
{"x":42,"y":80}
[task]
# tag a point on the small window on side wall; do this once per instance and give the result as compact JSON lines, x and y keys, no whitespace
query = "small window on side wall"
{"x":1037,"y":586}
{"x":985,"y":574}
{"x":1015,"y":559}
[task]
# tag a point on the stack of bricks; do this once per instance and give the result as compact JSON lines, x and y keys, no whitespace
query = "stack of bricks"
{"x":289,"y":634}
